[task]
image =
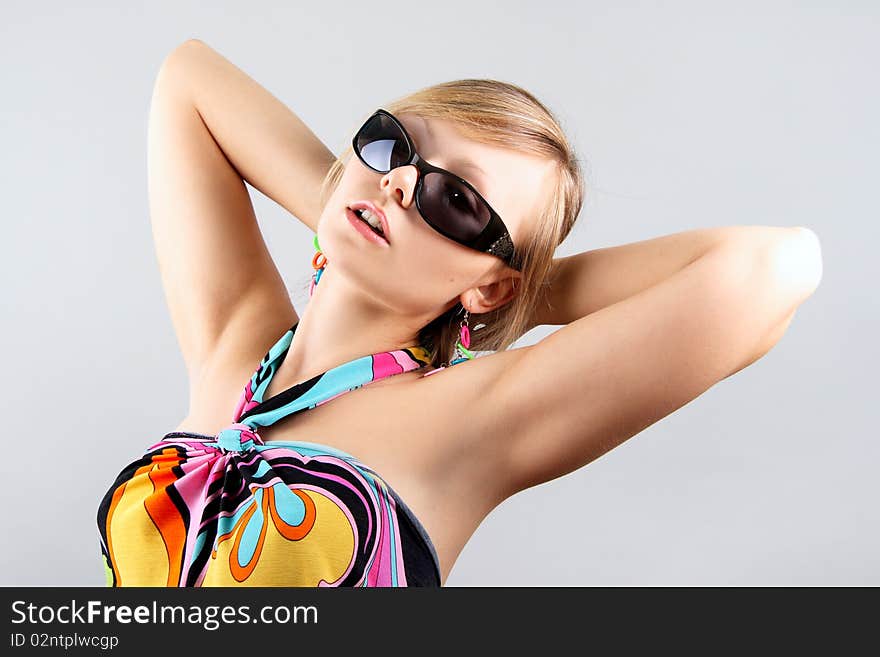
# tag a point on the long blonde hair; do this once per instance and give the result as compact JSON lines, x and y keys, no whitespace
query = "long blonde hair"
{"x":506,"y":115}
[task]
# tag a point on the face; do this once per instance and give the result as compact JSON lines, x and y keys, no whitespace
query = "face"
{"x":421,"y":271}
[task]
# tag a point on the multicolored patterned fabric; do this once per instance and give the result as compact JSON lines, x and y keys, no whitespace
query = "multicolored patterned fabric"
{"x":231,"y":510}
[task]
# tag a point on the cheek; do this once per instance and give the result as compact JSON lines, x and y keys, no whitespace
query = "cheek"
{"x":424,"y":269}
{"x":435,"y":274}
{"x":356,"y":176}
{"x":423,"y":280}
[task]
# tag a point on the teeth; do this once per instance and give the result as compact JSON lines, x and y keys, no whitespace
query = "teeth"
{"x":371,"y":219}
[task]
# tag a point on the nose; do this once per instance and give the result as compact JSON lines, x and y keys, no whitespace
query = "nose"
{"x":401,"y":183}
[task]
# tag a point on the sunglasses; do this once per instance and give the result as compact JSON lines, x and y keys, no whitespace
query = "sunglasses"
{"x":448,"y":204}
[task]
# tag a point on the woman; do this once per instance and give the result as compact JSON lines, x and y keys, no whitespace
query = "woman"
{"x":468,"y":186}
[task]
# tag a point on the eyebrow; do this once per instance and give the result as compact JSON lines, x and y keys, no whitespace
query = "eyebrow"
{"x":458,"y":162}
{"x":467,"y":164}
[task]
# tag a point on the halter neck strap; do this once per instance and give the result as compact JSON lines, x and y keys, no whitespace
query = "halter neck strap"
{"x":254,"y":410}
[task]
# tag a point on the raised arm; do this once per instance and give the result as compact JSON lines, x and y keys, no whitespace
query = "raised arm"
{"x":585,"y":282}
{"x":268,"y":145}
{"x":616,"y":370}
{"x":211,"y":128}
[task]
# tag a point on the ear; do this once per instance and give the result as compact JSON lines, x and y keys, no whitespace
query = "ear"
{"x":495,"y":294}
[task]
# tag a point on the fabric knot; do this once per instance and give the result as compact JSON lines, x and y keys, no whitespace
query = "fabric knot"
{"x":238,"y":437}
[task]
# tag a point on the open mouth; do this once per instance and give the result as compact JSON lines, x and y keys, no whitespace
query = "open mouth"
{"x":372,"y":221}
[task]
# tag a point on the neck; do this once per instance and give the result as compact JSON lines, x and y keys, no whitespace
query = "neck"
{"x":340,"y":324}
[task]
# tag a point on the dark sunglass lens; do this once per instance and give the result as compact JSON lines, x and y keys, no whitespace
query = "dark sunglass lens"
{"x":452,"y":207}
{"x":382,"y":145}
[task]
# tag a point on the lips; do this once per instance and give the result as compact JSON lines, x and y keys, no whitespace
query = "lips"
{"x":364,"y":229}
{"x":372,"y":207}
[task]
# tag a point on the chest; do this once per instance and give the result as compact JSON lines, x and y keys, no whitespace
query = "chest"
{"x":378,"y":424}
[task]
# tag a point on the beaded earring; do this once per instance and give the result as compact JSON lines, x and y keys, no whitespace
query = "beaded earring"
{"x":319,"y":260}
{"x":462,"y":342}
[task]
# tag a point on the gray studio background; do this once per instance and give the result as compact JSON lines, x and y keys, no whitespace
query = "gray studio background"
{"x":685,"y":115}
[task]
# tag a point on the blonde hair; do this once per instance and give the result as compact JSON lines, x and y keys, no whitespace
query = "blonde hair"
{"x":506,"y":115}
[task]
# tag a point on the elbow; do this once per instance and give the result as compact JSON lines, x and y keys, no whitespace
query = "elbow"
{"x":767,"y":275}
{"x":189,"y":44}
{"x":796,"y":261}
{"x":792,"y":270}
{"x":791,"y":255}
{"x":784,"y":271}
{"x":805,"y":261}
{"x":183,"y":52}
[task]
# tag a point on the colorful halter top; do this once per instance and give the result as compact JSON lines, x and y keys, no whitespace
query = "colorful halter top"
{"x":231,"y":510}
